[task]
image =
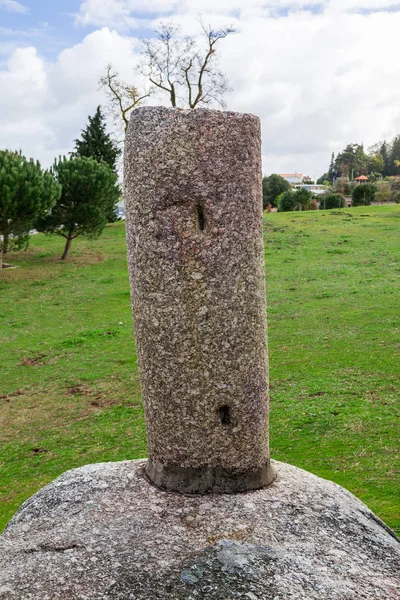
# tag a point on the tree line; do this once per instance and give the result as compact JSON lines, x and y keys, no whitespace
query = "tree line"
{"x":278,"y":193}
{"x":76,"y":196}
{"x":381,"y":160}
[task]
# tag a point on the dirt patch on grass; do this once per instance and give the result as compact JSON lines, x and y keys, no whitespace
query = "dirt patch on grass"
{"x":81,"y":258}
{"x":36,"y":263}
{"x":99,"y":396}
{"x":79,"y":390}
{"x":355,"y":427}
{"x":32,"y":361}
{"x":27,"y":416}
{"x":88,"y":257}
{"x":39,"y":451}
{"x":38,"y":360}
{"x":7,"y":397}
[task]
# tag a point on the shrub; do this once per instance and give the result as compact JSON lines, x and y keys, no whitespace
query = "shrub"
{"x":303,"y":197}
{"x":396,"y":197}
{"x":395,"y":184}
{"x":287,"y":201}
{"x":363,"y":194}
{"x":343,"y":186}
{"x":273,"y":186}
{"x":383,"y":192}
{"x":332,"y":201}
{"x":298,"y":199}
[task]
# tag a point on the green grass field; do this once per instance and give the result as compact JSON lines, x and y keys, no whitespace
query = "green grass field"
{"x":69,"y":389}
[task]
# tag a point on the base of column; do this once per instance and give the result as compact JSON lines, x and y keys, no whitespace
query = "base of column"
{"x":208,"y":480}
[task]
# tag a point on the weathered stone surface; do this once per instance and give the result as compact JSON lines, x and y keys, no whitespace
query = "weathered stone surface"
{"x":104,"y":532}
{"x":194,"y":207}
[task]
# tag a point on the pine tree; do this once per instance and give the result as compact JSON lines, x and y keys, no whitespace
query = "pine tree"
{"x":332,"y":169}
{"x":26,"y":192}
{"x":352,"y":161}
{"x":89,"y":190}
{"x":394,"y":156}
{"x":96,"y":143}
{"x":384,"y":151}
{"x":360,"y":161}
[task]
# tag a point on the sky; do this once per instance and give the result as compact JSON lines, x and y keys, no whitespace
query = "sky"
{"x":318,"y":73}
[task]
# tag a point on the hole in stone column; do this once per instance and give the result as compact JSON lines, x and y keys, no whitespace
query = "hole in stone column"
{"x":201,"y":217}
{"x":225,"y":415}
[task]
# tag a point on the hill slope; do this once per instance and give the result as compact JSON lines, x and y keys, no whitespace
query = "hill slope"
{"x":69,"y":390}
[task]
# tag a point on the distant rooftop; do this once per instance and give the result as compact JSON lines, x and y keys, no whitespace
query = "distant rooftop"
{"x":294,"y":178}
{"x":291,"y":174}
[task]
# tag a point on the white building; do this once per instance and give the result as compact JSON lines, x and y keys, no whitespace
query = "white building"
{"x":293,"y":178}
{"x":316,"y":189}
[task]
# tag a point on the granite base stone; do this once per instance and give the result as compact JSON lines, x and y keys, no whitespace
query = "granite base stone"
{"x":104,"y":532}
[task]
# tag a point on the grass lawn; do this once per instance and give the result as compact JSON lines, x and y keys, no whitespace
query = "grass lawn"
{"x":69,"y":389}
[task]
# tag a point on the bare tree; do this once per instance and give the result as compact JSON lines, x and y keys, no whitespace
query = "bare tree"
{"x":122,"y":97}
{"x":190,"y":75}
{"x":177,"y":66}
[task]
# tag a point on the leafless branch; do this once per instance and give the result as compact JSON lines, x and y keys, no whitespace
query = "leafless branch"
{"x":122,"y":96}
{"x":189,"y":74}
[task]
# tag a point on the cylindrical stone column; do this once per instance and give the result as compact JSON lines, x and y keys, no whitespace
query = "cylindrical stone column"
{"x":193,"y":207}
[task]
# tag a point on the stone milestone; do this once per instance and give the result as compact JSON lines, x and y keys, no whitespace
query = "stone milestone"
{"x":196,"y":260}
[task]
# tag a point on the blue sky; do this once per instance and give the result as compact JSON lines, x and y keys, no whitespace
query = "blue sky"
{"x":47,"y":24}
{"x":55,"y":12}
{"x":318,"y":73}
{"x":50,"y":25}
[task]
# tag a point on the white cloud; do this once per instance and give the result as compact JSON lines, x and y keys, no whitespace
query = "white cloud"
{"x":110,"y":13}
{"x":361,"y":5}
{"x":119,"y":13}
{"x":25,"y":83}
{"x":47,"y":104}
{"x":23,"y":107}
{"x":13,"y":6}
{"x":317,"y":81}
